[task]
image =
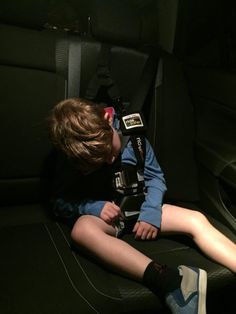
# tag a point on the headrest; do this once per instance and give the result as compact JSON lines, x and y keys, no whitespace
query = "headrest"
{"x":120,"y":22}
{"x":112,"y":20}
{"x":31,"y":14}
{"x":40,"y":14}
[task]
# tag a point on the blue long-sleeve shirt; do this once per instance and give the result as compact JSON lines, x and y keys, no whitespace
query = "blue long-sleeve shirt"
{"x":151,"y":209}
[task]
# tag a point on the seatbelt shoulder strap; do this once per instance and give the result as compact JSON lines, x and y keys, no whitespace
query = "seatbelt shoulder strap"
{"x":133,"y":125}
{"x":101,"y":86}
{"x":139,"y":147}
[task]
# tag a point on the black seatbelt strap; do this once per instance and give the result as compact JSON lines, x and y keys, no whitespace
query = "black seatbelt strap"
{"x":102,"y":88}
{"x":102,"y":81}
{"x":134,"y":126}
{"x":139,"y":146}
{"x":147,"y":78}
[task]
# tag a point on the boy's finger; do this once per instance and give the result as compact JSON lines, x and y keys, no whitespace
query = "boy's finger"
{"x":106,"y":218}
{"x":139,"y":232}
{"x":144,"y":234}
{"x":154,"y":235}
{"x":135,"y":227}
{"x":117,"y":208}
{"x":149,"y":235}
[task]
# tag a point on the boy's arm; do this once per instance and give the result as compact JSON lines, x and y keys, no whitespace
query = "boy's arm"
{"x":66,"y":209}
{"x":151,"y":208}
{"x":107,"y":211}
{"x":91,"y":207}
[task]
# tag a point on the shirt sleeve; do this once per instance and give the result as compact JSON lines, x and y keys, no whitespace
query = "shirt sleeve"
{"x":91,"y":207}
{"x":151,"y":209}
{"x":66,"y":209}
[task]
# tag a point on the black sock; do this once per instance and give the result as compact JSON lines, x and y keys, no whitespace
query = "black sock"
{"x":161,"y":279}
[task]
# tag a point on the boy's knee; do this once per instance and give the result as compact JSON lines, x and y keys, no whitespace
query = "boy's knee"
{"x":198,"y":220}
{"x":81,"y":228}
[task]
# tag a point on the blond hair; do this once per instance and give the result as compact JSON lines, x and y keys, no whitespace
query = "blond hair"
{"x":79,"y":129}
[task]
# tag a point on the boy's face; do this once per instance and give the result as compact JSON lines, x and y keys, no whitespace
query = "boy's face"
{"x":116,"y":147}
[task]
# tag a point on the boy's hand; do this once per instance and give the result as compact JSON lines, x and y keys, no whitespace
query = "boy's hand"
{"x":145,"y":231}
{"x":110,"y":212}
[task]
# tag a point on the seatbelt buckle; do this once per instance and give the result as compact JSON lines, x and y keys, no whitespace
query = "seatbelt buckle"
{"x":130,"y":205}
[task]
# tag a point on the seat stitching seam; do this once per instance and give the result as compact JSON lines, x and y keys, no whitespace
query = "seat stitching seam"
{"x":85,"y":274}
{"x":66,"y":270}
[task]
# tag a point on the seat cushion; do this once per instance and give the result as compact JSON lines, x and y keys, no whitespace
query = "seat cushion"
{"x":41,"y":271}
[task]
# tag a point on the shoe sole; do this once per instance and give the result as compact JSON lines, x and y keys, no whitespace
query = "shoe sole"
{"x":202,"y":289}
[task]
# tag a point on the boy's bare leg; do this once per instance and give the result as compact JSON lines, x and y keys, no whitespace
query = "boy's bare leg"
{"x":212,"y":242}
{"x":98,"y":237}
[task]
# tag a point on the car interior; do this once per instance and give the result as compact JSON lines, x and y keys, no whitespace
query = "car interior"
{"x":173,"y":59}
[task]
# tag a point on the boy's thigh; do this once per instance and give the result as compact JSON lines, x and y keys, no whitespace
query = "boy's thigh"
{"x":94,"y":223}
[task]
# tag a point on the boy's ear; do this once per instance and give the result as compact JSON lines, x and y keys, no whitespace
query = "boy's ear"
{"x":108,"y":115}
{"x":108,"y":118}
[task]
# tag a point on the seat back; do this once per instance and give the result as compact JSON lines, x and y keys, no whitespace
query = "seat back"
{"x":34,"y":79}
{"x":30,"y":87}
{"x":172,"y":131}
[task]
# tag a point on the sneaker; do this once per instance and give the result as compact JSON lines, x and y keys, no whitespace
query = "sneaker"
{"x":190,"y":298}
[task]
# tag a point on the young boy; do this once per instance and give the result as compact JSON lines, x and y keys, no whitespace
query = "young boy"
{"x":90,"y":149}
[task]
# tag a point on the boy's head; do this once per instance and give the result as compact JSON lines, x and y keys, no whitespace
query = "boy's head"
{"x":83,"y":131}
